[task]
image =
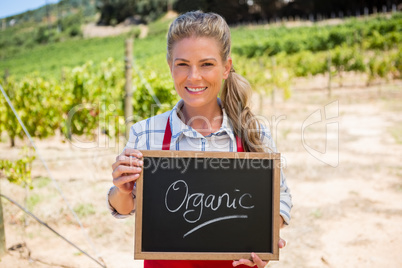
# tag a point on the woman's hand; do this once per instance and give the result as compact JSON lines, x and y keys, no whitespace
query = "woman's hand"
{"x":126,"y":170}
{"x":251,"y":263}
{"x":255,"y":260}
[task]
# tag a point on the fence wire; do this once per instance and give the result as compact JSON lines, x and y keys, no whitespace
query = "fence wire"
{"x":50,"y":228}
{"x":56,"y":185}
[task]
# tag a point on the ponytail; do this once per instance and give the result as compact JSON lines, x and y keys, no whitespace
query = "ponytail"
{"x":235,"y":98}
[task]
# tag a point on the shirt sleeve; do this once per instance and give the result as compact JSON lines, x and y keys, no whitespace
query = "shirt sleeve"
{"x":285,"y":196}
{"x":131,"y":143}
{"x":285,"y":200}
{"x":142,"y":137}
{"x":114,"y":212}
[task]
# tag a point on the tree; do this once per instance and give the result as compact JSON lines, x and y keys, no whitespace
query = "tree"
{"x":182,"y":6}
{"x":115,"y":11}
{"x":269,"y":8}
{"x":334,"y":7}
{"x":233,"y":11}
{"x":150,"y":10}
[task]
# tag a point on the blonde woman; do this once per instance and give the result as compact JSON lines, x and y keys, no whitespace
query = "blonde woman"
{"x":198,"y":55}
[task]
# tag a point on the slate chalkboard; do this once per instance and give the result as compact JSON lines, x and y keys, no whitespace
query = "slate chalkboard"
{"x":207,"y":205}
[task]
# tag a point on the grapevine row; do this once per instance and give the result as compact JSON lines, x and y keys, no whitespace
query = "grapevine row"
{"x":90,"y":97}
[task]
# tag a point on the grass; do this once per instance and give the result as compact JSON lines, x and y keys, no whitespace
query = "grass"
{"x":396,"y":132}
{"x":48,"y":60}
{"x":84,"y":210}
{"x":285,"y":133}
{"x":33,"y":200}
{"x":41,"y":182}
{"x":317,"y":213}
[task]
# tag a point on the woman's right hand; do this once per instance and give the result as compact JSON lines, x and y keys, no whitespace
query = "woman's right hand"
{"x":127,"y":169}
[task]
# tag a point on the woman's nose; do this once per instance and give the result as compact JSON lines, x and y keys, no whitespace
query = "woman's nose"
{"x":194,"y":74}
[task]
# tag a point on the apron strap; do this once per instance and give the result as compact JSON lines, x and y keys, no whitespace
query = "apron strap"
{"x":239,"y":144}
{"x":168,"y":136}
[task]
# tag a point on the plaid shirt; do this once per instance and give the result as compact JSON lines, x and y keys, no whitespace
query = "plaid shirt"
{"x":148,"y":135}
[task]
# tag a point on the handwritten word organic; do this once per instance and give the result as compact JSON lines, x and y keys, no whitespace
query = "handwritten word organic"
{"x":179,"y":198}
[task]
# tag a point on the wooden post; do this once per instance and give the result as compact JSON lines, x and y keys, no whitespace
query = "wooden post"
{"x":366,"y":12}
{"x":329,"y":73}
{"x":3,"y":248}
{"x":6,"y":74}
{"x":274,"y":80}
{"x":262,"y":91}
{"x":11,"y":94}
{"x":262,"y":96}
{"x":128,"y":106}
{"x":63,"y":74}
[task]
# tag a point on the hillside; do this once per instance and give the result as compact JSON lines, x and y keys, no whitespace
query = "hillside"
{"x":49,"y":24}
{"x":68,"y":51}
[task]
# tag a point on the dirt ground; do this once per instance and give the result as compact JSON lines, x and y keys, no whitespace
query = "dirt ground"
{"x":342,"y":156}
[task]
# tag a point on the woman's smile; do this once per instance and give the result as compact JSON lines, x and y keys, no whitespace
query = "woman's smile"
{"x":196,"y":89}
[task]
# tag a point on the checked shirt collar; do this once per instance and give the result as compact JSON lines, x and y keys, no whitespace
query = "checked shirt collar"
{"x":179,"y":128}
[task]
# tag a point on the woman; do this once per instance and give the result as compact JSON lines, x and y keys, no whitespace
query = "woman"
{"x":198,"y":55}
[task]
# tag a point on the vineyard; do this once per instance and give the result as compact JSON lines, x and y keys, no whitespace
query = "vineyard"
{"x":75,"y":90}
{"x":85,"y":99}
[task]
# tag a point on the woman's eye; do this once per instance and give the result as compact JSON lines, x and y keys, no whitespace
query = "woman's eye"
{"x":182,"y":64}
{"x":207,"y":64}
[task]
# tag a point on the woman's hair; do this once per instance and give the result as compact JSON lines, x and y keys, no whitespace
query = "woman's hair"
{"x":236,"y":90}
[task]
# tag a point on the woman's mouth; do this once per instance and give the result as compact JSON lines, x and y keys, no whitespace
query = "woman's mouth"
{"x":196,"y":89}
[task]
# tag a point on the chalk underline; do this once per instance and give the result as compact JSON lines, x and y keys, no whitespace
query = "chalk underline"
{"x":213,"y":221}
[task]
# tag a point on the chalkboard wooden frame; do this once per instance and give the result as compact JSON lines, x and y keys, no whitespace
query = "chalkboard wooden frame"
{"x":139,"y":253}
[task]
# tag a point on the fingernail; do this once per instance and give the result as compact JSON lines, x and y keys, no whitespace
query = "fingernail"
{"x":253,"y":255}
{"x":140,"y":162}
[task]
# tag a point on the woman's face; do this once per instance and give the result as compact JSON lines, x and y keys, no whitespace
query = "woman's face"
{"x":198,"y":71}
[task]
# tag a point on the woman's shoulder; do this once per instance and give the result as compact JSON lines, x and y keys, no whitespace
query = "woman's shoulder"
{"x":152,"y":123}
{"x":266,"y":138}
{"x":148,"y":134}
{"x":265,"y":131}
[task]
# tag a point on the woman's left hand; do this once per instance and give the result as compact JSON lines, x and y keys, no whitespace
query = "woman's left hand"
{"x":255,"y":259}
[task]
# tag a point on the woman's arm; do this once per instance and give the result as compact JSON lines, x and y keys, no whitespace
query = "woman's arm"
{"x":121,"y":202}
{"x":285,"y":196}
{"x":126,"y":170}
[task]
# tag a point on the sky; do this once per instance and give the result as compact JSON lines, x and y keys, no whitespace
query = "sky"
{"x":14,"y":7}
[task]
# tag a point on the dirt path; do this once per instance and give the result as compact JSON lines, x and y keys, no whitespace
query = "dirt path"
{"x":345,"y":215}
{"x":348,"y":215}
